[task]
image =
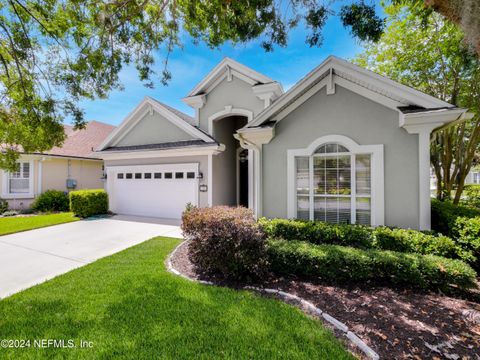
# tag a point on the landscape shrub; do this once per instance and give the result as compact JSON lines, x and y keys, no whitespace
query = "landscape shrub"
{"x":471,"y":194}
{"x":10,"y":213}
{"x":364,"y":237}
{"x":226,"y":242}
{"x":85,"y":203}
{"x":445,"y":213}
{"x":467,"y":231}
{"x":318,"y":232}
{"x":406,"y":240}
{"x":3,"y":206}
{"x":341,"y":264}
{"x":51,"y":200}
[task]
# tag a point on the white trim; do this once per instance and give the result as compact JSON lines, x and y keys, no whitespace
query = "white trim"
{"x":147,"y":105}
{"x":377,"y":173}
{"x":5,"y":182}
{"x":174,"y":152}
{"x":356,"y":75}
{"x":228,"y":111}
{"x":210,"y":180}
{"x":237,"y":69}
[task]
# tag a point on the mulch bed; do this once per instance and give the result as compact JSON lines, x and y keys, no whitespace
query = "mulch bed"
{"x":396,"y":323}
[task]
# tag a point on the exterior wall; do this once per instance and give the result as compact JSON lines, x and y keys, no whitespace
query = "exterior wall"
{"x":55,"y":172}
{"x":364,"y":121}
{"x":153,"y":129}
{"x":225,"y":164}
{"x":202,"y":160}
{"x":236,"y":93}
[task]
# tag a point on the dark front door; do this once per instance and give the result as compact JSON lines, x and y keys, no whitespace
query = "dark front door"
{"x":243,"y":178}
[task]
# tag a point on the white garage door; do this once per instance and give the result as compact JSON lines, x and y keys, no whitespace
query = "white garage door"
{"x":153,"y":190}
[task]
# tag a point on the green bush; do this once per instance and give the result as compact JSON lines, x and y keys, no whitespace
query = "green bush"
{"x":226,"y":242}
{"x":471,"y":193}
{"x":85,"y":203}
{"x":467,"y":231}
{"x":445,"y":213}
{"x":51,"y":200}
{"x":318,"y":232}
{"x":340,"y":264}
{"x":412,"y":241}
{"x":3,"y":206}
{"x":364,"y":237}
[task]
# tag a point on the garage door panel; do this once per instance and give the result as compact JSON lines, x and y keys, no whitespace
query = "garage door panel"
{"x":155,"y":197}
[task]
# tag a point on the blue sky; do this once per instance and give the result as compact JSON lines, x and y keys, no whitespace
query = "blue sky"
{"x":190,"y":64}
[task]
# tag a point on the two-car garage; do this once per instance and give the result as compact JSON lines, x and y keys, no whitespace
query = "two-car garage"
{"x":160,"y":191}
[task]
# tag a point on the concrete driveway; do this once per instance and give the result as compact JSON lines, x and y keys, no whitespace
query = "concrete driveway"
{"x":31,"y":257}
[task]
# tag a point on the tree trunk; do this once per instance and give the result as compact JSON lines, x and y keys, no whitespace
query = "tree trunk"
{"x":465,"y":13}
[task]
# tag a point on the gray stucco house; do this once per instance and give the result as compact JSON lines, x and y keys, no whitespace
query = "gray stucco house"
{"x":342,"y":145}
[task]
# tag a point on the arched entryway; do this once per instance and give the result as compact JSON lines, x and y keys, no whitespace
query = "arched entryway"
{"x":230,"y":169}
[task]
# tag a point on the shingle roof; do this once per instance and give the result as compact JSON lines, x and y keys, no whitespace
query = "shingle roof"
{"x":82,"y":143}
{"x":161,"y":146}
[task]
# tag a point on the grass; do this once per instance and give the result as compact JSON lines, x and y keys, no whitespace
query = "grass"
{"x":10,"y":225}
{"x":130,"y":307}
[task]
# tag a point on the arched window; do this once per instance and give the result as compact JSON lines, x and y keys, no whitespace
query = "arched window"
{"x":333,"y":184}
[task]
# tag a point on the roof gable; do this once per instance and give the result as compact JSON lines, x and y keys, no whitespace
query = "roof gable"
{"x":365,"y":82}
{"x":227,"y":68}
{"x":149,"y":106}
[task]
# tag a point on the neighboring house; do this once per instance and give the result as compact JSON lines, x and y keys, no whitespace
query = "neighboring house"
{"x":65,"y":168}
{"x":472,"y":178}
{"x":342,"y":145}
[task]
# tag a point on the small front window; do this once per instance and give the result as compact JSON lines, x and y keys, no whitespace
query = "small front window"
{"x":179,"y":175}
{"x":19,"y":180}
{"x":157,"y":175}
{"x":147,"y":175}
{"x":120,"y":176}
{"x":168,"y":175}
{"x":128,"y":175}
{"x":138,"y":175}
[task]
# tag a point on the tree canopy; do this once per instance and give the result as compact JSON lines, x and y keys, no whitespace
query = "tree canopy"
{"x":54,"y":53}
{"x":432,"y":57}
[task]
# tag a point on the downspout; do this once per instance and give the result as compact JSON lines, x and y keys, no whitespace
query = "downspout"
{"x":257,"y":208}
{"x":40,"y":175}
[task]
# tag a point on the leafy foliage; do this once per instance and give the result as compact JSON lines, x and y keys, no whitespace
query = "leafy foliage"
{"x":429,"y":53}
{"x":85,"y":203}
{"x":340,"y":264}
{"x":445,"y":214}
{"x":362,"y":19}
{"x":364,"y":237}
{"x":468,"y":236}
{"x":52,"y":200}
{"x":471,"y":193}
{"x":226,"y":242}
{"x":3,"y":206}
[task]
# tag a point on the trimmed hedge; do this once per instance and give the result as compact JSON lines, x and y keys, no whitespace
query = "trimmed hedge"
{"x":51,"y":200}
{"x":471,"y":193}
{"x":364,"y":237}
{"x":85,"y":203}
{"x":468,"y":237}
{"x":318,"y":232}
{"x":226,"y":242}
{"x":334,"y":263}
{"x":445,"y":213}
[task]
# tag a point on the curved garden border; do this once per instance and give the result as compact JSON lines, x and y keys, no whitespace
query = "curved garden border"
{"x":301,"y":303}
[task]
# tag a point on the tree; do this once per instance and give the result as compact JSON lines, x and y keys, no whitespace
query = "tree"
{"x":54,"y":53}
{"x":432,"y":57}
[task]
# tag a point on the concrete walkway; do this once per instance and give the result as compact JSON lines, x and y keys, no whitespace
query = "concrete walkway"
{"x":31,"y":257}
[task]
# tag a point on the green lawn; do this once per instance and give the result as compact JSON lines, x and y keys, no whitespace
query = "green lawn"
{"x":9,"y":225}
{"x":130,"y":307}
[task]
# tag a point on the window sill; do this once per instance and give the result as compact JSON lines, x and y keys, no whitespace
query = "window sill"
{"x":17,"y":196}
